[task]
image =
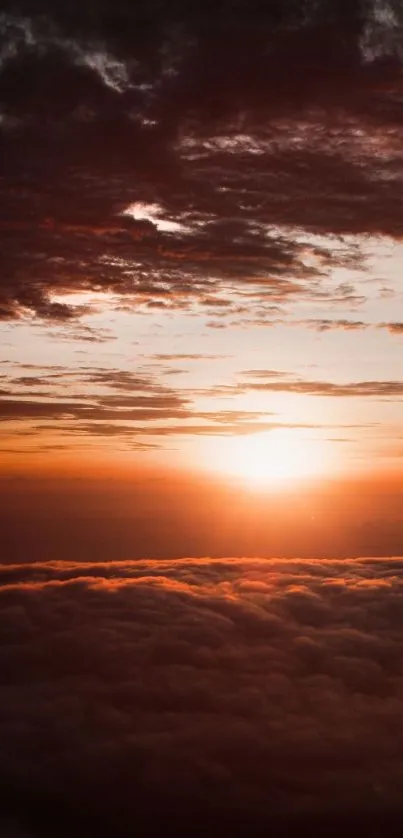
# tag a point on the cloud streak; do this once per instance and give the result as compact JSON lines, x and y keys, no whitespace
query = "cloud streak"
{"x":273,"y":381}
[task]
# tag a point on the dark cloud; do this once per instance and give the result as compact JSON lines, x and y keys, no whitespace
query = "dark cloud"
{"x":142,"y":408}
{"x":89,"y":395}
{"x":127,"y":404}
{"x":122,"y":404}
{"x":207,"y":694}
{"x":171,"y":109}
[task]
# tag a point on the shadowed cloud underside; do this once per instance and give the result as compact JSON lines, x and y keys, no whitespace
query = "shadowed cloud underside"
{"x":224,"y":688}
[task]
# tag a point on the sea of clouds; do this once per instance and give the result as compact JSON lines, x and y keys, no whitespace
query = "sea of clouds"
{"x":200,"y":691}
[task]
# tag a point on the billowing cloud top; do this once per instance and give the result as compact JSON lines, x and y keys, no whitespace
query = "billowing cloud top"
{"x":207,"y":693}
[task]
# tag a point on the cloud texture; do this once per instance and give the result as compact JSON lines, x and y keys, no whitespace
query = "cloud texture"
{"x":201,"y":693}
{"x":169,"y":152}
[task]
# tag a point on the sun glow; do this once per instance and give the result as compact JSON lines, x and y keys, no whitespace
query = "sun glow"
{"x":276,"y":457}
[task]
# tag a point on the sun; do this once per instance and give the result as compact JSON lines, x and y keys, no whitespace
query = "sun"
{"x":278,"y":457}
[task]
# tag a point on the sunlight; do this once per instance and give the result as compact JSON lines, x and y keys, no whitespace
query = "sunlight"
{"x":281,"y":456}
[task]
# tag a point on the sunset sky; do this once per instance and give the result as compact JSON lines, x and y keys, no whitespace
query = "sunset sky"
{"x":201,"y":329}
{"x":202,"y":252}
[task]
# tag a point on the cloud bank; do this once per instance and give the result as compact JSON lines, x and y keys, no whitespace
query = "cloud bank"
{"x":201,"y":693}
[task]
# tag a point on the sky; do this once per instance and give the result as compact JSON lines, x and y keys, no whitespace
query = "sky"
{"x":201,"y":412}
{"x":201,"y":252}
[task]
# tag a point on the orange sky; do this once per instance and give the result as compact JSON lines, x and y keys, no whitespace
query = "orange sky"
{"x":134,"y":387}
{"x":203,"y":283}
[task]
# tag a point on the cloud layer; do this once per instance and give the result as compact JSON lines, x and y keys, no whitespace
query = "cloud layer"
{"x":206,"y":691}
